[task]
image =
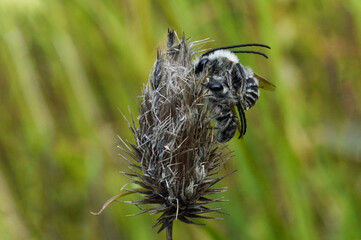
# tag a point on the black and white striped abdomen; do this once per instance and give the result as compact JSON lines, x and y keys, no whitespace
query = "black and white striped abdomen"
{"x":251,"y":94}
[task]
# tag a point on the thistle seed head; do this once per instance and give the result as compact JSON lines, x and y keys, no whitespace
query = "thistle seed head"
{"x":175,"y":156}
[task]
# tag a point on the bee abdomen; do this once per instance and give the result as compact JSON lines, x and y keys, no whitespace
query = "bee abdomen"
{"x":226,"y":123}
{"x":226,"y":128}
{"x":252,"y":93}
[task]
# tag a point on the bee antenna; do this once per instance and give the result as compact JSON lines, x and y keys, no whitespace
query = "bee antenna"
{"x":236,"y":46}
{"x":254,"y":52}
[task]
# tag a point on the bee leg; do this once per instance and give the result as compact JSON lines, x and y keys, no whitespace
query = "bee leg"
{"x":225,"y":126}
{"x":220,"y":117}
{"x":242,"y":117}
{"x":238,"y":77}
{"x":229,"y":66}
{"x":241,"y":71}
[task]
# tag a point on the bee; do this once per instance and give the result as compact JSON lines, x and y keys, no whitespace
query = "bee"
{"x":228,"y":85}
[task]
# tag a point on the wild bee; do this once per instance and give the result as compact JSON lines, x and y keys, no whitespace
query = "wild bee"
{"x":229,"y":84}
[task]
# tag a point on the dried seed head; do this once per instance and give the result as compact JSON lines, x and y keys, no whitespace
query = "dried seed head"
{"x":175,"y":154}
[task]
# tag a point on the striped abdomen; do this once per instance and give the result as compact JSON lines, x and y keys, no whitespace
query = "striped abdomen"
{"x":251,"y":94}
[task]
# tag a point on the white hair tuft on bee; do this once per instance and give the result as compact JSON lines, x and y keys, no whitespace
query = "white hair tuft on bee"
{"x":223,"y":53}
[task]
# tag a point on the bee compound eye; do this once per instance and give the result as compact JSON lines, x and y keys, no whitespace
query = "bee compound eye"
{"x":200,"y":65}
{"x":215,"y":86}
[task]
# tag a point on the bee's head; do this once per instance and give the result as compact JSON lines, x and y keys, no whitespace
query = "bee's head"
{"x":217,"y":85}
{"x":216,"y":63}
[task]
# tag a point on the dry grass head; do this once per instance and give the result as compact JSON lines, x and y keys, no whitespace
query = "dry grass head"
{"x":175,"y":156}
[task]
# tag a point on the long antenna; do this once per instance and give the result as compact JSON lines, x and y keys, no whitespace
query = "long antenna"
{"x":235,"y":46}
{"x":254,"y":52}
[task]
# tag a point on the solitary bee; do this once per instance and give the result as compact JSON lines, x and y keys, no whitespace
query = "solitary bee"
{"x":230,"y":84}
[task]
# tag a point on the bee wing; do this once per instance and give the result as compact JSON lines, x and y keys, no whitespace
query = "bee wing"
{"x":242,"y":124}
{"x":263,"y":83}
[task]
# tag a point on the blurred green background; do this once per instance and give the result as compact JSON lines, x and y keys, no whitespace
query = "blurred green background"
{"x":68,"y":68}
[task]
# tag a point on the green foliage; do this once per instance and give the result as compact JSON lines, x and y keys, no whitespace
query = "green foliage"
{"x":68,"y":68}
